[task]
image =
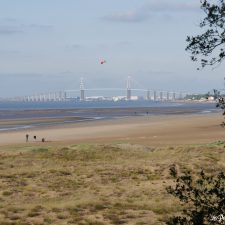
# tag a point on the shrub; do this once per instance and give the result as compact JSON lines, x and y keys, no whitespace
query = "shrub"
{"x":203,"y":198}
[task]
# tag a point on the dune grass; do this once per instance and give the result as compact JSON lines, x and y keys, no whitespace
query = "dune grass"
{"x":96,"y":184}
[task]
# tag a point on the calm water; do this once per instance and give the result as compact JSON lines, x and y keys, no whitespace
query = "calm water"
{"x":100,"y":104}
{"x":73,"y":112}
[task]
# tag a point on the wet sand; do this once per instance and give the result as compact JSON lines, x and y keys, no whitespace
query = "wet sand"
{"x":164,"y":130}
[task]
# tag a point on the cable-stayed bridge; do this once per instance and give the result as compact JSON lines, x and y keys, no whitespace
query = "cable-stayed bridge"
{"x":127,"y":93}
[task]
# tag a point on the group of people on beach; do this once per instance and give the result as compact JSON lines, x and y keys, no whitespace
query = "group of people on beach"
{"x":35,"y":138}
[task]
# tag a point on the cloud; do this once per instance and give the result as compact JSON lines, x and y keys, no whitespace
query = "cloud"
{"x":73,"y":47}
{"x":39,"y":27}
{"x":9,"y":19}
{"x":162,"y":6}
{"x":131,"y":16}
{"x":9,"y":52}
{"x":150,"y":9}
{"x":10,"y":30}
{"x":13,"y":28}
{"x":124,"y":43}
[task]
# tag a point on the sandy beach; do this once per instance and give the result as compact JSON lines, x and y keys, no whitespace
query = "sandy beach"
{"x":165,"y":130}
{"x":109,"y":171}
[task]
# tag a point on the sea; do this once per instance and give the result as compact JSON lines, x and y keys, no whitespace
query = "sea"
{"x":76,"y":112}
{"x":11,"y":105}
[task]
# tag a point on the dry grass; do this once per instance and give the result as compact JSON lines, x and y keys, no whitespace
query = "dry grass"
{"x":96,"y":184}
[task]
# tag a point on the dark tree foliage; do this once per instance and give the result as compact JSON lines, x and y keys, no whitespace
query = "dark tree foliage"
{"x":204,"y":198}
{"x":220,"y":103}
{"x":210,"y":44}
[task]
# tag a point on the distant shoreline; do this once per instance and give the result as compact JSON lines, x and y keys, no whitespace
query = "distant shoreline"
{"x":13,"y":120}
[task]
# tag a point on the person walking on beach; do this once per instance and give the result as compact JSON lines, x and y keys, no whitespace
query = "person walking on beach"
{"x":27,"y":137}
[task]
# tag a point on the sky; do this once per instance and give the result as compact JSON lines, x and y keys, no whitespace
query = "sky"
{"x":48,"y":45}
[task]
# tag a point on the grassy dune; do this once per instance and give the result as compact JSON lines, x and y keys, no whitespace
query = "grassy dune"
{"x":96,"y":184}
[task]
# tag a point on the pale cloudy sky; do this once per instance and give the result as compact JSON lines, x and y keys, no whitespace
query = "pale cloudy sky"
{"x":47,"y":45}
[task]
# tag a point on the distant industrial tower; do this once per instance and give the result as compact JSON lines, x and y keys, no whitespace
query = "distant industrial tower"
{"x":161,"y":96}
{"x":128,"y":88}
{"x":168,"y":96}
{"x":82,"y":97}
{"x":155,"y":96}
{"x":174,"y":96}
{"x":180,"y":96}
{"x":148,"y":95}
